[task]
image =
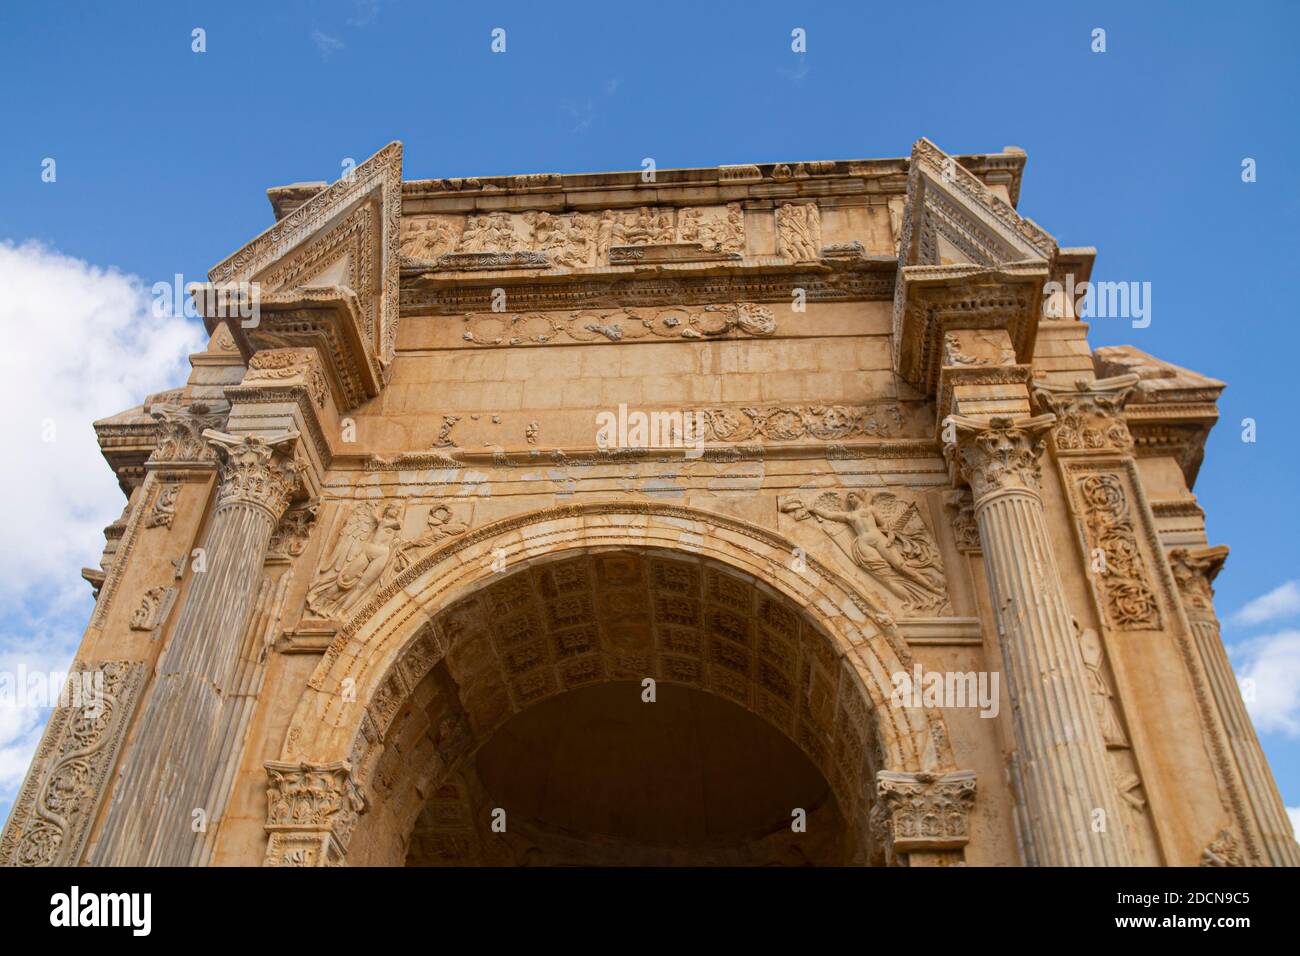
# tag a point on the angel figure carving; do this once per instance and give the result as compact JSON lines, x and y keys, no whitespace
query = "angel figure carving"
{"x":888,"y":540}
{"x":439,"y":527}
{"x":359,"y":558}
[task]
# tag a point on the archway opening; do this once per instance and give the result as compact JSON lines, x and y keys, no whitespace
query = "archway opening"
{"x":602,"y":775}
{"x":532,"y":739}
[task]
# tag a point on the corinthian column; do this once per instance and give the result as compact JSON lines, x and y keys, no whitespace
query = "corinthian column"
{"x":1194,"y":570}
{"x":157,"y":812}
{"x":1060,"y":765}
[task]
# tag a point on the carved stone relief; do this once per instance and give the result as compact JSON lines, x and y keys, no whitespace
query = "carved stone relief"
{"x":923,"y":811}
{"x":577,"y":240}
{"x":1127,"y":598}
{"x":274,"y":365}
{"x":619,"y":325}
{"x":378,"y":541}
{"x":54,"y":810}
{"x":292,"y":533}
{"x":149,"y":613}
{"x":793,"y":422}
{"x":884,"y":535}
{"x":799,"y":231}
{"x":163,"y":511}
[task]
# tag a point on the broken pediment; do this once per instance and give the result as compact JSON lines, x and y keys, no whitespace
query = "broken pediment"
{"x":325,"y":276}
{"x":967,"y":260}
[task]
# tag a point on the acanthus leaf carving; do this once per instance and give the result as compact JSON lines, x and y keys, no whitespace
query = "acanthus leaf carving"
{"x":256,"y":471}
{"x":55,"y":809}
{"x":999,"y":455}
{"x":1089,"y":416}
{"x":1127,"y":598}
{"x":923,"y":811}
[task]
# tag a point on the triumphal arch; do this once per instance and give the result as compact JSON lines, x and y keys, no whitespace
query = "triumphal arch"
{"x":763,"y":514}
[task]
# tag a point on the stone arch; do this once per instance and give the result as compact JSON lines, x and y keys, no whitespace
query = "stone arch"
{"x":384,"y":656}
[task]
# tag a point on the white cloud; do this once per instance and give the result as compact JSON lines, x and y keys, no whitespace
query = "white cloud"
{"x":1294,"y":814}
{"x":1283,"y":601}
{"x":77,"y":343}
{"x":326,"y":45}
{"x":1272,"y":664}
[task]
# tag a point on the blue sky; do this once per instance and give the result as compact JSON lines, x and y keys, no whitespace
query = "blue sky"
{"x":164,"y":155}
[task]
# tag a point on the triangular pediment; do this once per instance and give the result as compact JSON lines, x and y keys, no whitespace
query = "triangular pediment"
{"x":341,"y":245}
{"x":954,"y":219}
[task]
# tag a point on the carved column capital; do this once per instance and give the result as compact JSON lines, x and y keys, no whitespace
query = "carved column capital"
{"x":923,"y":811}
{"x":256,"y":471}
{"x":1001,"y":454}
{"x":1195,"y":570}
{"x":180,"y":433}
{"x":311,"y":812}
{"x":1089,"y":414}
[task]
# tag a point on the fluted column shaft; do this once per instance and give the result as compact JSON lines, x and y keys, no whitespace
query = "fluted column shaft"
{"x":167,"y":775}
{"x":1195,"y":569}
{"x":1061,"y":756}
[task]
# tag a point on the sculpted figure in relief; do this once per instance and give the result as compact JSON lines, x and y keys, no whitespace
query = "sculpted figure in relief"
{"x":889,"y":541}
{"x":646,"y":227}
{"x":362,"y":553}
{"x":725,"y":234}
{"x":490,"y":233}
{"x":428,"y":238}
{"x":799,"y":231}
{"x":440,"y":526}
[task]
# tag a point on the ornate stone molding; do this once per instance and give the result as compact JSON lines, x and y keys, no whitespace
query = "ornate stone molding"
{"x":1124,"y":580}
{"x":1001,"y":454}
{"x":56,"y":807}
{"x":311,"y":812}
{"x":280,"y":365}
{"x":931,"y":301}
{"x":792,"y":422}
{"x":924,"y":811}
{"x":1089,"y":415}
{"x":688,"y":284}
{"x":619,"y":325}
{"x":256,"y":471}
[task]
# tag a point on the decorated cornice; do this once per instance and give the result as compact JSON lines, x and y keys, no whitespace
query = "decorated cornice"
{"x":683,"y":186}
{"x":769,"y":279}
{"x":998,"y":455}
{"x":1089,"y":414}
{"x":930,"y":301}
